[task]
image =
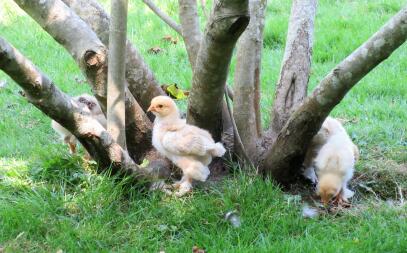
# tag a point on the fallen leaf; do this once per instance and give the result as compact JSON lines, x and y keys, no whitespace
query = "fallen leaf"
{"x":196,"y":249}
{"x":170,"y":39}
{"x":155,"y":50}
{"x":173,"y":91}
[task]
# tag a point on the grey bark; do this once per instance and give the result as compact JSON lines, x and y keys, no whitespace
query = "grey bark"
{"x":296,"y":66}
{"x":45,"y":95}
{"x":228,"y":20}
{"x":164,"y":17}
{"x":116,"y":86}
{"x":141,"y":80}
{"x":89,"y":52}
{"x":191,"y":33}
{"x":246,"y":103}
{"x":283,"y":160}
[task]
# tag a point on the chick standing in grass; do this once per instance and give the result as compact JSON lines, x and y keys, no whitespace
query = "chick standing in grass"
{"x":335,"y":163}
{"x":188,"y":147}
{"x":90,"y":106}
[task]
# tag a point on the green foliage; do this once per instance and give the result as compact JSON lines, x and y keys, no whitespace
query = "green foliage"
{"x":51,"y":201}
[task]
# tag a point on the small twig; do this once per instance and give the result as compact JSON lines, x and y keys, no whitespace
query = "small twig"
{"x":167,"y":19}
{"x":229,"y":91}
{"x":236,"y":132}
{"x":367,"y":188}
{"x":400,"y":194}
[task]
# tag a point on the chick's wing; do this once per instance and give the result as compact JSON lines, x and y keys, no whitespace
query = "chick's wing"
{"x":185,"y":142}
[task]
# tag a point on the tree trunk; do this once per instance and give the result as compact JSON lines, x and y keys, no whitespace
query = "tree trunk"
{"x":42,"y":93}
{"x":141,"y":80}
{"x":246,"y":107}
{"x":188,"y":16}
{"x":283,"y":160}
{"x":116,"y":80}
{"x":164,"y":17}
{"x":228,"y":20}
{"x":296,"y":66}
{"x":83,"y":44}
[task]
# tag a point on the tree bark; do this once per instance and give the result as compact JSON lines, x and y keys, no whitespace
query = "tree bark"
{"x":164,"y":17}
{"x":283,"y":160}
{"x":141,"y":80}
{"x":246,"y":104}
{"x":42,"y":93}
{"x":296,"y":66}
{"x":116,"y":88}
{"x":90,"y":54}
{"x":228,"y":20}
{"x":191,"y":33}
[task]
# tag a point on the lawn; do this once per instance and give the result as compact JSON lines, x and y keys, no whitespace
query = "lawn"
{"x":51,"y":201}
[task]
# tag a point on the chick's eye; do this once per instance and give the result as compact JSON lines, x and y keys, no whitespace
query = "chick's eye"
{"x":160,"y":106}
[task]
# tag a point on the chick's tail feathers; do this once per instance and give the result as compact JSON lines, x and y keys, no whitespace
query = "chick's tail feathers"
{"x":218,"y":150}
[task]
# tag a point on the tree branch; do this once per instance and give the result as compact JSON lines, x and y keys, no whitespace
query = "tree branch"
{"x":296,"y":66}
{"x":246,"y":106}
{"x":284,"y":158}
{"x":228,"y":20}
{"x":42,"y":93}
{"x":116,"y":82}
{"x":164,"y":17}
{"x":141,"y":80}
{"x":90,"y":54}
{"x":191,"y":33}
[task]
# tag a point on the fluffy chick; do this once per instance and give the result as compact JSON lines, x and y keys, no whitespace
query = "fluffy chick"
{"x":188,"y":147}
{"x":335,"y":163}
{"x":89,"y":106}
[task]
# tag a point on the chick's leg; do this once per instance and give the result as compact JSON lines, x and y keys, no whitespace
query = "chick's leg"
{"x":340,"y":200}
{"x":177,"y":184}
{"x":185,"y":187}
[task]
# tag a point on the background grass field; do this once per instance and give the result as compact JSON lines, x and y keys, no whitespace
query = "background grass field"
{"x":50,"y":200}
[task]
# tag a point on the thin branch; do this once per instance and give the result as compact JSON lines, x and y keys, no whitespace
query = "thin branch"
{"x":236,"y":133}
{"x":42,"y":93}
{"x":247,"y":79}
{"x":116,"y":82}
{"x":228,"y":20}
{"x":296,"y":66}
{"x":284,"y":158}
{"x":164,"y":17}
{"x":83,"y":44}
{"x":191,"y":33}
{"x":141,"y":80}
{"x":230,"y":92}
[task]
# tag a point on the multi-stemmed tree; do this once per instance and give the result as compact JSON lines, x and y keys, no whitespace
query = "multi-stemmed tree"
{"x":82,"y":28}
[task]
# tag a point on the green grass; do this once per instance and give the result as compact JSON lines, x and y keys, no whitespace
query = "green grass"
{"x":51,"y":201}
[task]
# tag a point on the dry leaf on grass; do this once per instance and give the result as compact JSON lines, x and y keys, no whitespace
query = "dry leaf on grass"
{"x":155,"y":50}
{"x":170,"y":39}
{"x":196,"y":249}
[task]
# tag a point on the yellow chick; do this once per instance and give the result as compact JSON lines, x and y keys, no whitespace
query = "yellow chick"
{"x":335,"y":163}
{"x":188,"y":147}
{"x":90,"y":106}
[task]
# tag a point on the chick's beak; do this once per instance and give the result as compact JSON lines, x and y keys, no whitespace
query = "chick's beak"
{"x":151,"y":109}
